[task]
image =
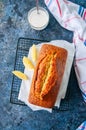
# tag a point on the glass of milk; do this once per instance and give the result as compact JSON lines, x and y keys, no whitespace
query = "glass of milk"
{"x":38,"y":18}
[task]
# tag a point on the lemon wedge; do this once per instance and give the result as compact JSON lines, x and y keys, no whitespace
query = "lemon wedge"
{"x":20,"y":75}
{"x":34,"y":53}
{"x":27,"y":63}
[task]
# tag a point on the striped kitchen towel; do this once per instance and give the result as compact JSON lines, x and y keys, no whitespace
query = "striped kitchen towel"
{"x":73,"y":17}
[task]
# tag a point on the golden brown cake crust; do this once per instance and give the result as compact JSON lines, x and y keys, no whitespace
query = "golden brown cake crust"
{"x":47,"y":76}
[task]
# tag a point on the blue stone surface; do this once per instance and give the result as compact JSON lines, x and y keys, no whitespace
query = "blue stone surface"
{"x":14,"y":24}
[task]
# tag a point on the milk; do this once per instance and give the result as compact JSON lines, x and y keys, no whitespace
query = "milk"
{"x":38,"y":20}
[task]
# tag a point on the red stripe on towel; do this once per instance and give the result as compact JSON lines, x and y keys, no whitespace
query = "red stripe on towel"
{"x":59,"y":7}
{"x":80,"y":59}
{"x":84,"y":16}
{"x":66,"y":1}
{"x":68,"y":20}
{"x":80,"y":38}
{"x":47,"y":1}
{"x":83,"y":82}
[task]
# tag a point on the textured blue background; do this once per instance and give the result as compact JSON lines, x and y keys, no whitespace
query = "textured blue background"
{"x":14,"y":24}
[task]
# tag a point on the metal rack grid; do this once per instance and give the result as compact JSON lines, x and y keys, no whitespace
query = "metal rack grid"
{"x":22,"y":50}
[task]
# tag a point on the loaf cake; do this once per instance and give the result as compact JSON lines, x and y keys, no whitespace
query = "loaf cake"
{"x":47,"y":76}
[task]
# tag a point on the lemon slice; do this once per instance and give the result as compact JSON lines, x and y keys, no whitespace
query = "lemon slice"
{"x":20,"y":75}
{"x":34,"y":53}
{"x":27,"y":63}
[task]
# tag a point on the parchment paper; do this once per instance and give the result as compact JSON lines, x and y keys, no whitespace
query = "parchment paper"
{"x":25,"y":85}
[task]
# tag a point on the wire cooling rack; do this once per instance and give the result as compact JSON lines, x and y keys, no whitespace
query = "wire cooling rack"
{"x":22,"y":50}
